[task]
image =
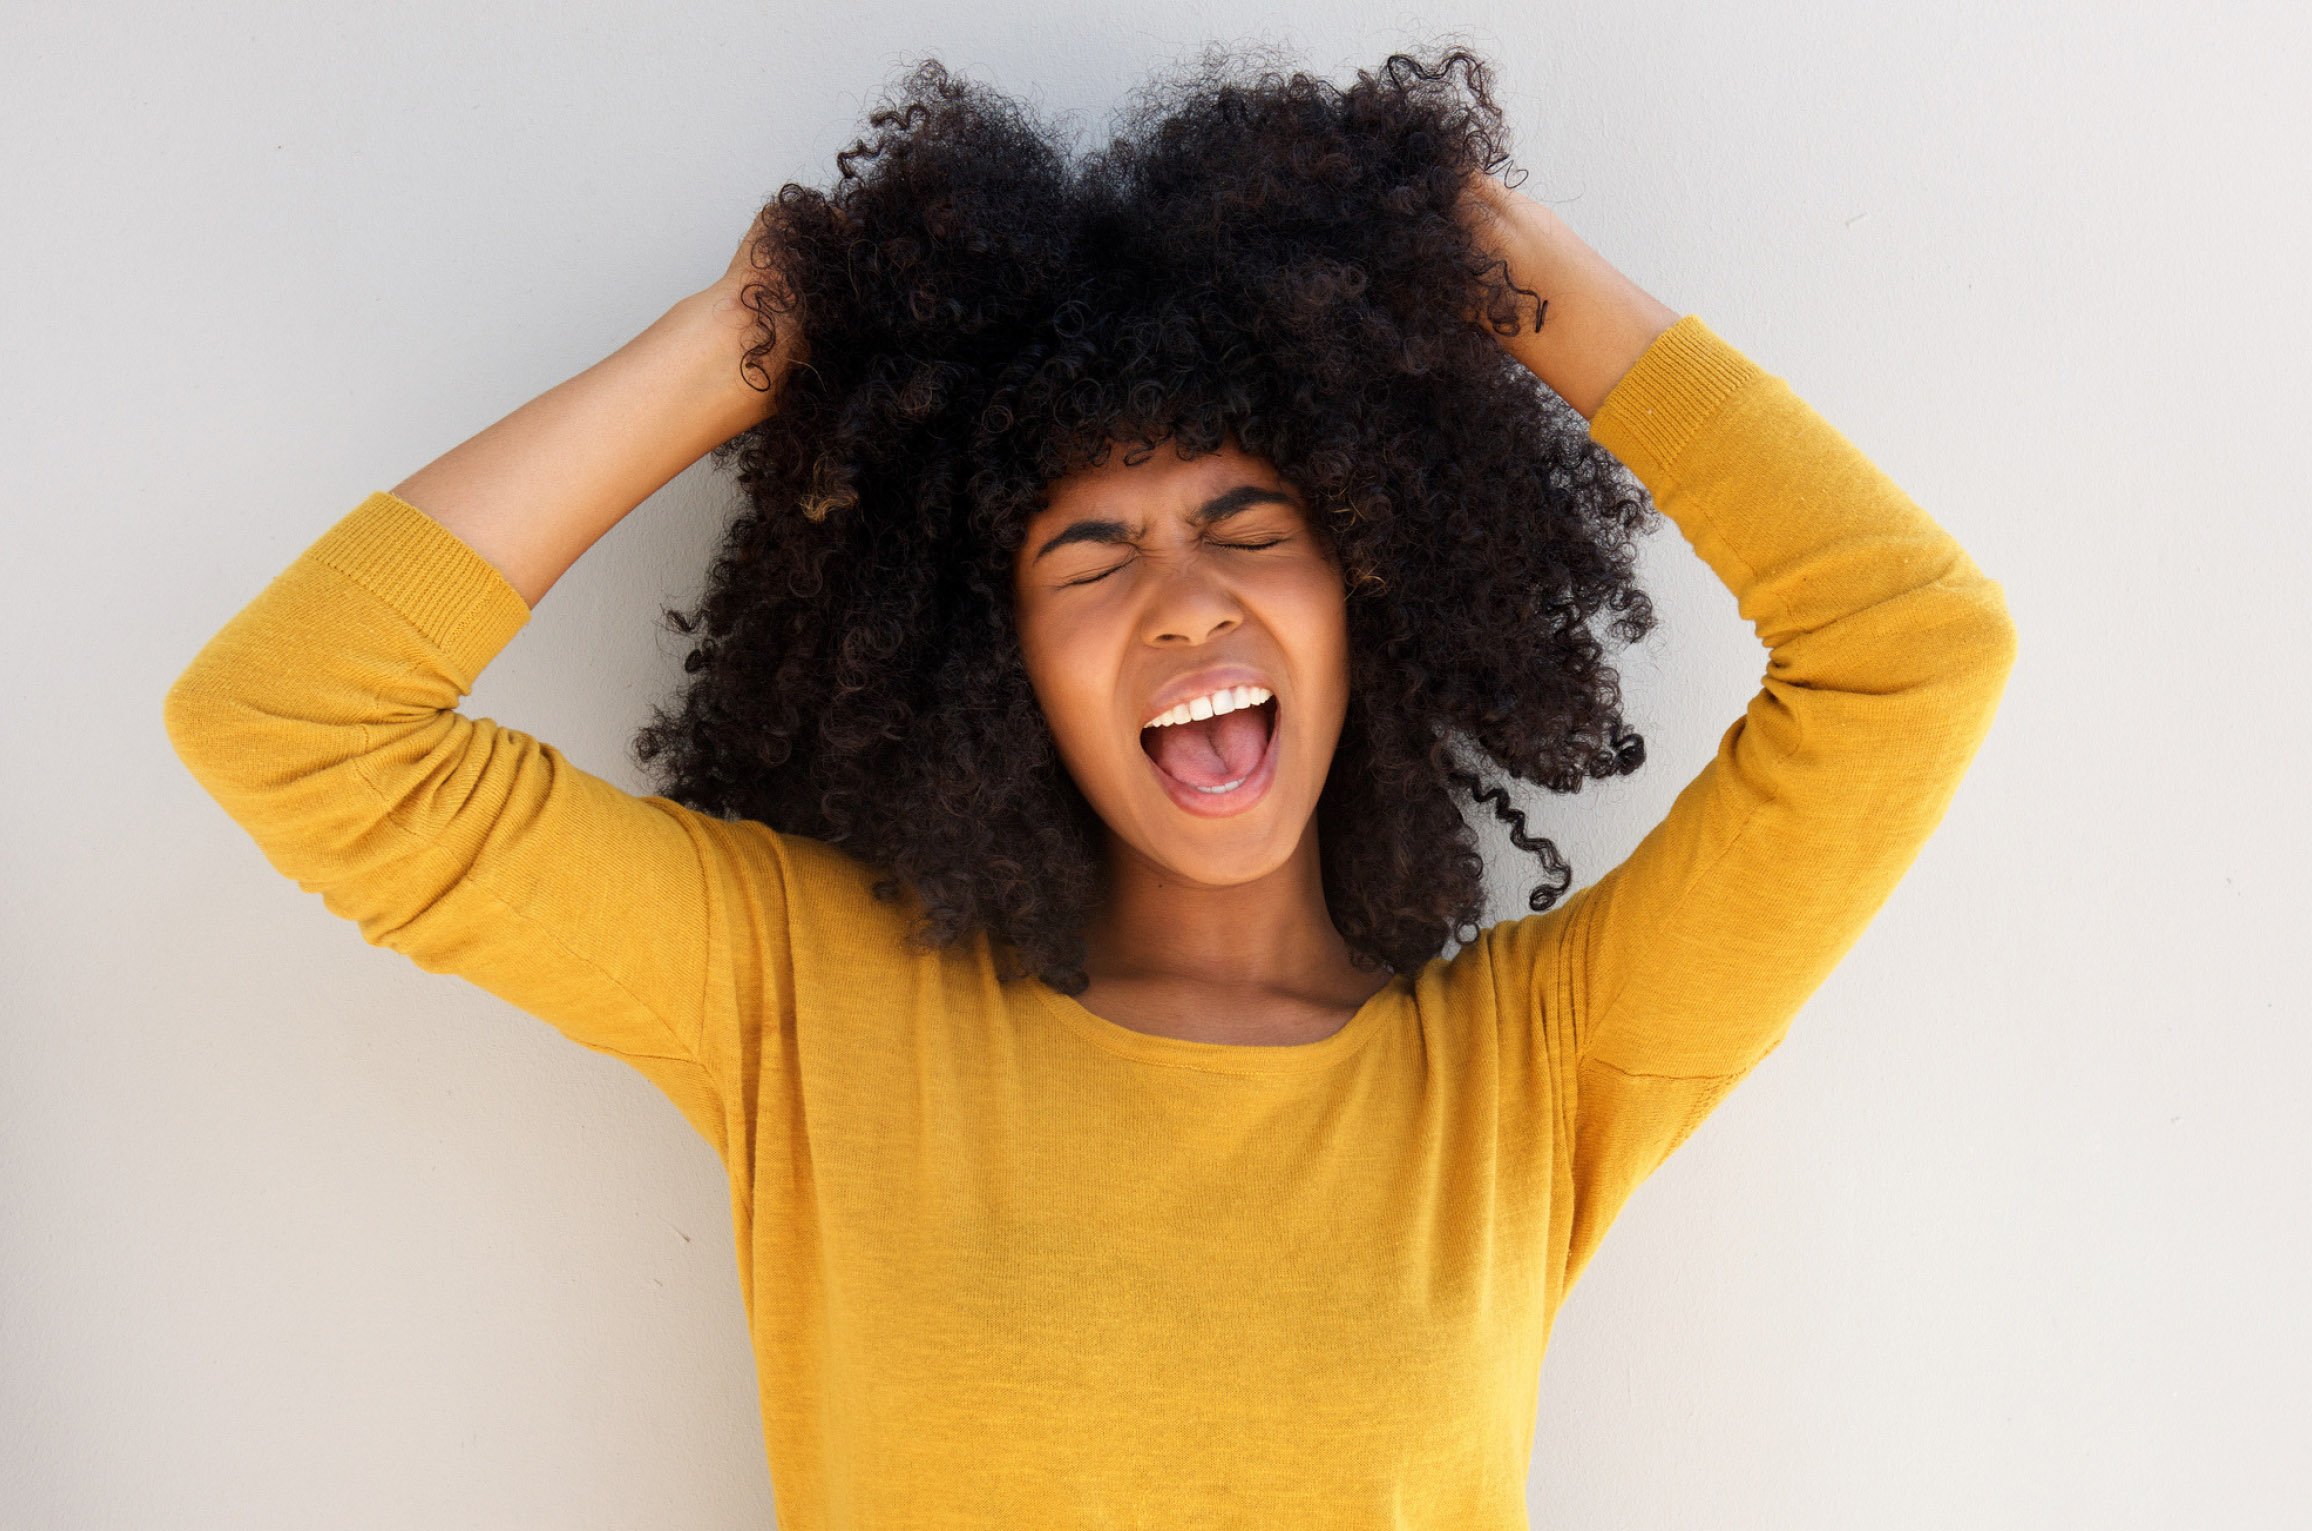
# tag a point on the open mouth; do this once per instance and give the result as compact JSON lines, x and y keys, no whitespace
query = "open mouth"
{"x":1219,"y":763}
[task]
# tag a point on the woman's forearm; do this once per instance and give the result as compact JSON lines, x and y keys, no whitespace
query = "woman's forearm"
{"x":1598,"y":323}
{"x":535,"y":490}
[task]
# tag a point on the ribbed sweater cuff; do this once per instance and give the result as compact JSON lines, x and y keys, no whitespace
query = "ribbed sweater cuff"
{"x":451,"y":594}
{"x":1672,"y":391}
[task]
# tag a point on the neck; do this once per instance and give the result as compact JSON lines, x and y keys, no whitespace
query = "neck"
{"x":1273,"y":933}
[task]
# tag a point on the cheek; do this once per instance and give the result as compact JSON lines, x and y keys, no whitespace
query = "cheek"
{"x":1314,"y":615}
{"x":1066,"y":666}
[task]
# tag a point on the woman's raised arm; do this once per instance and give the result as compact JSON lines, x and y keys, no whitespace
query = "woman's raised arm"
{"x":539,"y":487}
{"x":1593,"y":322}
{"x":1670,"y":977}
{"x":323,"y":718}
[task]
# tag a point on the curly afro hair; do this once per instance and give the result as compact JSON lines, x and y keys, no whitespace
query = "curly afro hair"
{"x":1256,"y":255}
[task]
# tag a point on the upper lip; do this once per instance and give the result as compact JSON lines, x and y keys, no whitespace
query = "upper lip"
{"x":1202,"y":682}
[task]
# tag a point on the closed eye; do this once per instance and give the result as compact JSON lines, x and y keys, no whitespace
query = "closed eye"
{"x":1249,"y":547}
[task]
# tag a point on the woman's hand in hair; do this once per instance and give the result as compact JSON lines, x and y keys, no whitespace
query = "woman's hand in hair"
{"x":1578,"y":323}
{"x":758,"y":308}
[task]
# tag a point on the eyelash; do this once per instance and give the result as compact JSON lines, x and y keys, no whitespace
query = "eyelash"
{"x":1249,"y":547}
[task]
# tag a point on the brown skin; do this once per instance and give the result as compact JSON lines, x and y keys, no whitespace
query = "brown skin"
{"x":1215,"y":929}
{"x":1212,"y":928}
{"x":537,"y":489}
{"x":1599,"y":321}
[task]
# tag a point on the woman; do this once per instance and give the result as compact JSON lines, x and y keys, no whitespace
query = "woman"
{"x":1045,"y":917}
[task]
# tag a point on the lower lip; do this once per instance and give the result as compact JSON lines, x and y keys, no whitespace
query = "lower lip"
{"x":1222,"y":805}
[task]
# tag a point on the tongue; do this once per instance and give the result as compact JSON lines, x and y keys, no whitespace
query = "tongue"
{"x":1214,"y":752}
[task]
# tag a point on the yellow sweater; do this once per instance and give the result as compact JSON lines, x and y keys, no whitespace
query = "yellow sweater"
{"x":1009,"y":1264}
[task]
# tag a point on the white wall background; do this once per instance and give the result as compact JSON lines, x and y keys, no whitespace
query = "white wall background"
{"x":2011,"y":1232}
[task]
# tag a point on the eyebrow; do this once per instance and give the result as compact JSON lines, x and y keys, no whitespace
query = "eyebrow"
{"x":1219,"y":508}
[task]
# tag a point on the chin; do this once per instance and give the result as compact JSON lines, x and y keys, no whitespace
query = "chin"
{"x":1248,"y":859}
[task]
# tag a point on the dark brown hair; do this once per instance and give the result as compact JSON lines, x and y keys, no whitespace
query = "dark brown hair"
{"x":1257,"y":255}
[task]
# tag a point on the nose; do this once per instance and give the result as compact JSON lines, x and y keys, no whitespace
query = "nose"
{"x":1189,"y":606}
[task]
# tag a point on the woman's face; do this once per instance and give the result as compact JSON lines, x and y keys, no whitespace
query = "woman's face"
{"x":1157,"y":591}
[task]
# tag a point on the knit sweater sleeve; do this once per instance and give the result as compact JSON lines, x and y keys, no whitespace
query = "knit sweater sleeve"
{"x":1668,"y":979}
{"x":322,"y":718}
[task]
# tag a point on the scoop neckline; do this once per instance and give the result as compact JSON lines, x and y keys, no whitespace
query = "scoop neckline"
{"x":1228,"y":1057}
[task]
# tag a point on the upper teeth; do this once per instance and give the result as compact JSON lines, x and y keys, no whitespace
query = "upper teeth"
{"x":1210,"y":705}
